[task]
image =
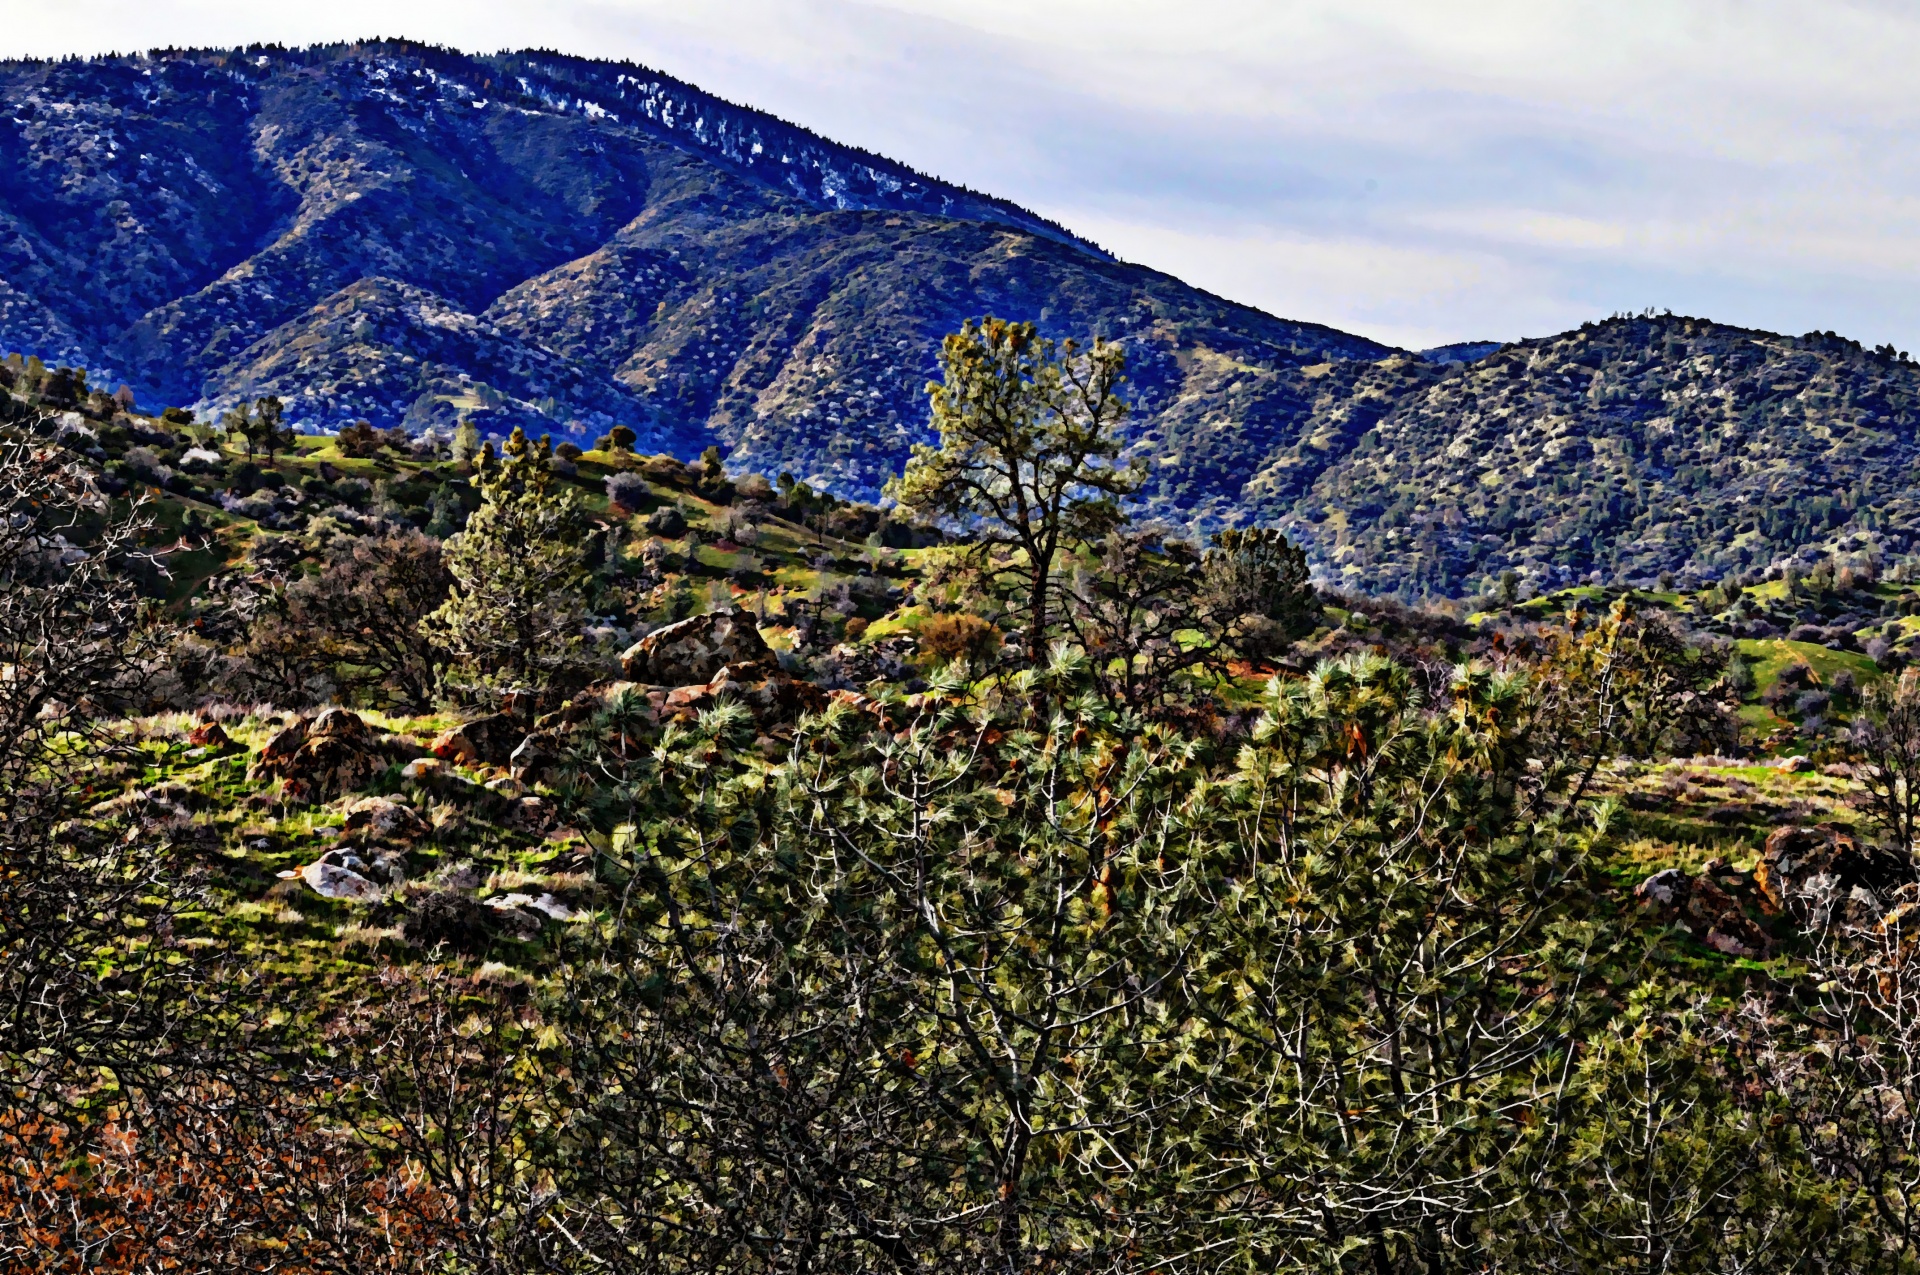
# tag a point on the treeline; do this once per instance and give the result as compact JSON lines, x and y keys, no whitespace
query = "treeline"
{"x":1079,"y":957}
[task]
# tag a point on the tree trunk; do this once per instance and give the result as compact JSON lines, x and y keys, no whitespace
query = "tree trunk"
{"x":1037,"y":625}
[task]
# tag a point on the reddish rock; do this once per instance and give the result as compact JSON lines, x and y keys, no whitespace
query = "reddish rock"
{"x":328,"y":755}
{"x":1714,"y":906}
{"x":208,"y":735}
{"x":454,"y":746}
{"x":280,"y":749}
{"x":1819,"y":874}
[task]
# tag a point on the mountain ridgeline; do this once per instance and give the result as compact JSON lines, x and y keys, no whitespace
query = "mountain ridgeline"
{"x":411,"y":236}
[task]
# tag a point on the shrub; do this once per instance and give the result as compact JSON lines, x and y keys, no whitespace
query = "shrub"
{"x":946,"y":638}
{"x":1811,"y":704}
{"x":664,"y":469}
{"x":626,"y":491}
{"x":358,"y":439}
{"x":668,"y":521}
{"x":459,"y":920}
{"x":856,"y":628}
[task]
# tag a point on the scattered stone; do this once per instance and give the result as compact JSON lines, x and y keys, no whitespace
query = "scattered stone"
{"x":208,"y":735}
{"x":158,"y":803}
{"x":692,"y":651}
{"x":545,"y":904}
{"x":1666,"y":888}
{"x":459,"y":876}
{"x":385,"y":820}
{"x":484,"y":741}
{"x":1713,"y":906}
{"x":1821,"y":874}
{"x":1794,"y":765}
{"x":424,"y":770}
{"x":332,"y":881}
{"x":506,"y":786}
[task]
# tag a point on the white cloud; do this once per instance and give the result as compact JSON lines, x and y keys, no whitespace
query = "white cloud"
{"x":1418,"y":172}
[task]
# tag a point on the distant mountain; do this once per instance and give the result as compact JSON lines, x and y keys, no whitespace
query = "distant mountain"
{"x":1628,"y":448}
{"x":400,"y":233}
{"x":405,"y":234}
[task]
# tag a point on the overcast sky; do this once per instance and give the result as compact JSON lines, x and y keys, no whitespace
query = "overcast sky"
{"x":1416,"y":171}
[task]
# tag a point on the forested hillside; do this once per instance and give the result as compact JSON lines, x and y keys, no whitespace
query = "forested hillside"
{"x":1631,"y":449}
{"x":408,"y":235}
{"x":512,"y":859}
{"x":412,"y":237}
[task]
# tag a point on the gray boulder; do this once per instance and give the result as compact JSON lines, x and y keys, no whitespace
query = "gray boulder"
{"x":691,"y":652}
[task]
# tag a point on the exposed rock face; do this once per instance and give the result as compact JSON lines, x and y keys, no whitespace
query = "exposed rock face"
{"x":324,"y":756}
{"x":1820,"y":875}
{"x":691,"y":652}
{"x":1713,"y":906}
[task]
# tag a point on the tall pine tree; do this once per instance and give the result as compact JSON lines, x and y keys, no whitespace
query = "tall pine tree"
{"x":513,"y":619}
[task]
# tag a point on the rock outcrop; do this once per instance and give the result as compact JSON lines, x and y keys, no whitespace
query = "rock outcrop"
{"x":773,"y":697}
{"x":383,"y":820}
{"x":691,"y":652}
{"x":486,"y":740}
{"x":1715,"y":906}
{"x":1820,"y":875}
{"x":324,"y":756}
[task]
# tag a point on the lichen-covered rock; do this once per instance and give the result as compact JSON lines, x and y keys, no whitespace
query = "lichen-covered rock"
{"x":347,"y":872}
{"x":690,"y":652}
{"x":1715,"y":906}
{"x":337,"y":723}
{"x":281,"y":747}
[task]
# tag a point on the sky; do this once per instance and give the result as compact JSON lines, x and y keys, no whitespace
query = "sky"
{"x":1417,"y":171}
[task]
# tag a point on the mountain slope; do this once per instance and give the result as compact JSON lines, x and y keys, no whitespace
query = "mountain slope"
{"x":409,"y":235}
{"x":1628,"y":448}
{"x":397,"y":233}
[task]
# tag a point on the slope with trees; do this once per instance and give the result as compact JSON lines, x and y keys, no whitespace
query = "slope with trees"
{"x":766,"y":911}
